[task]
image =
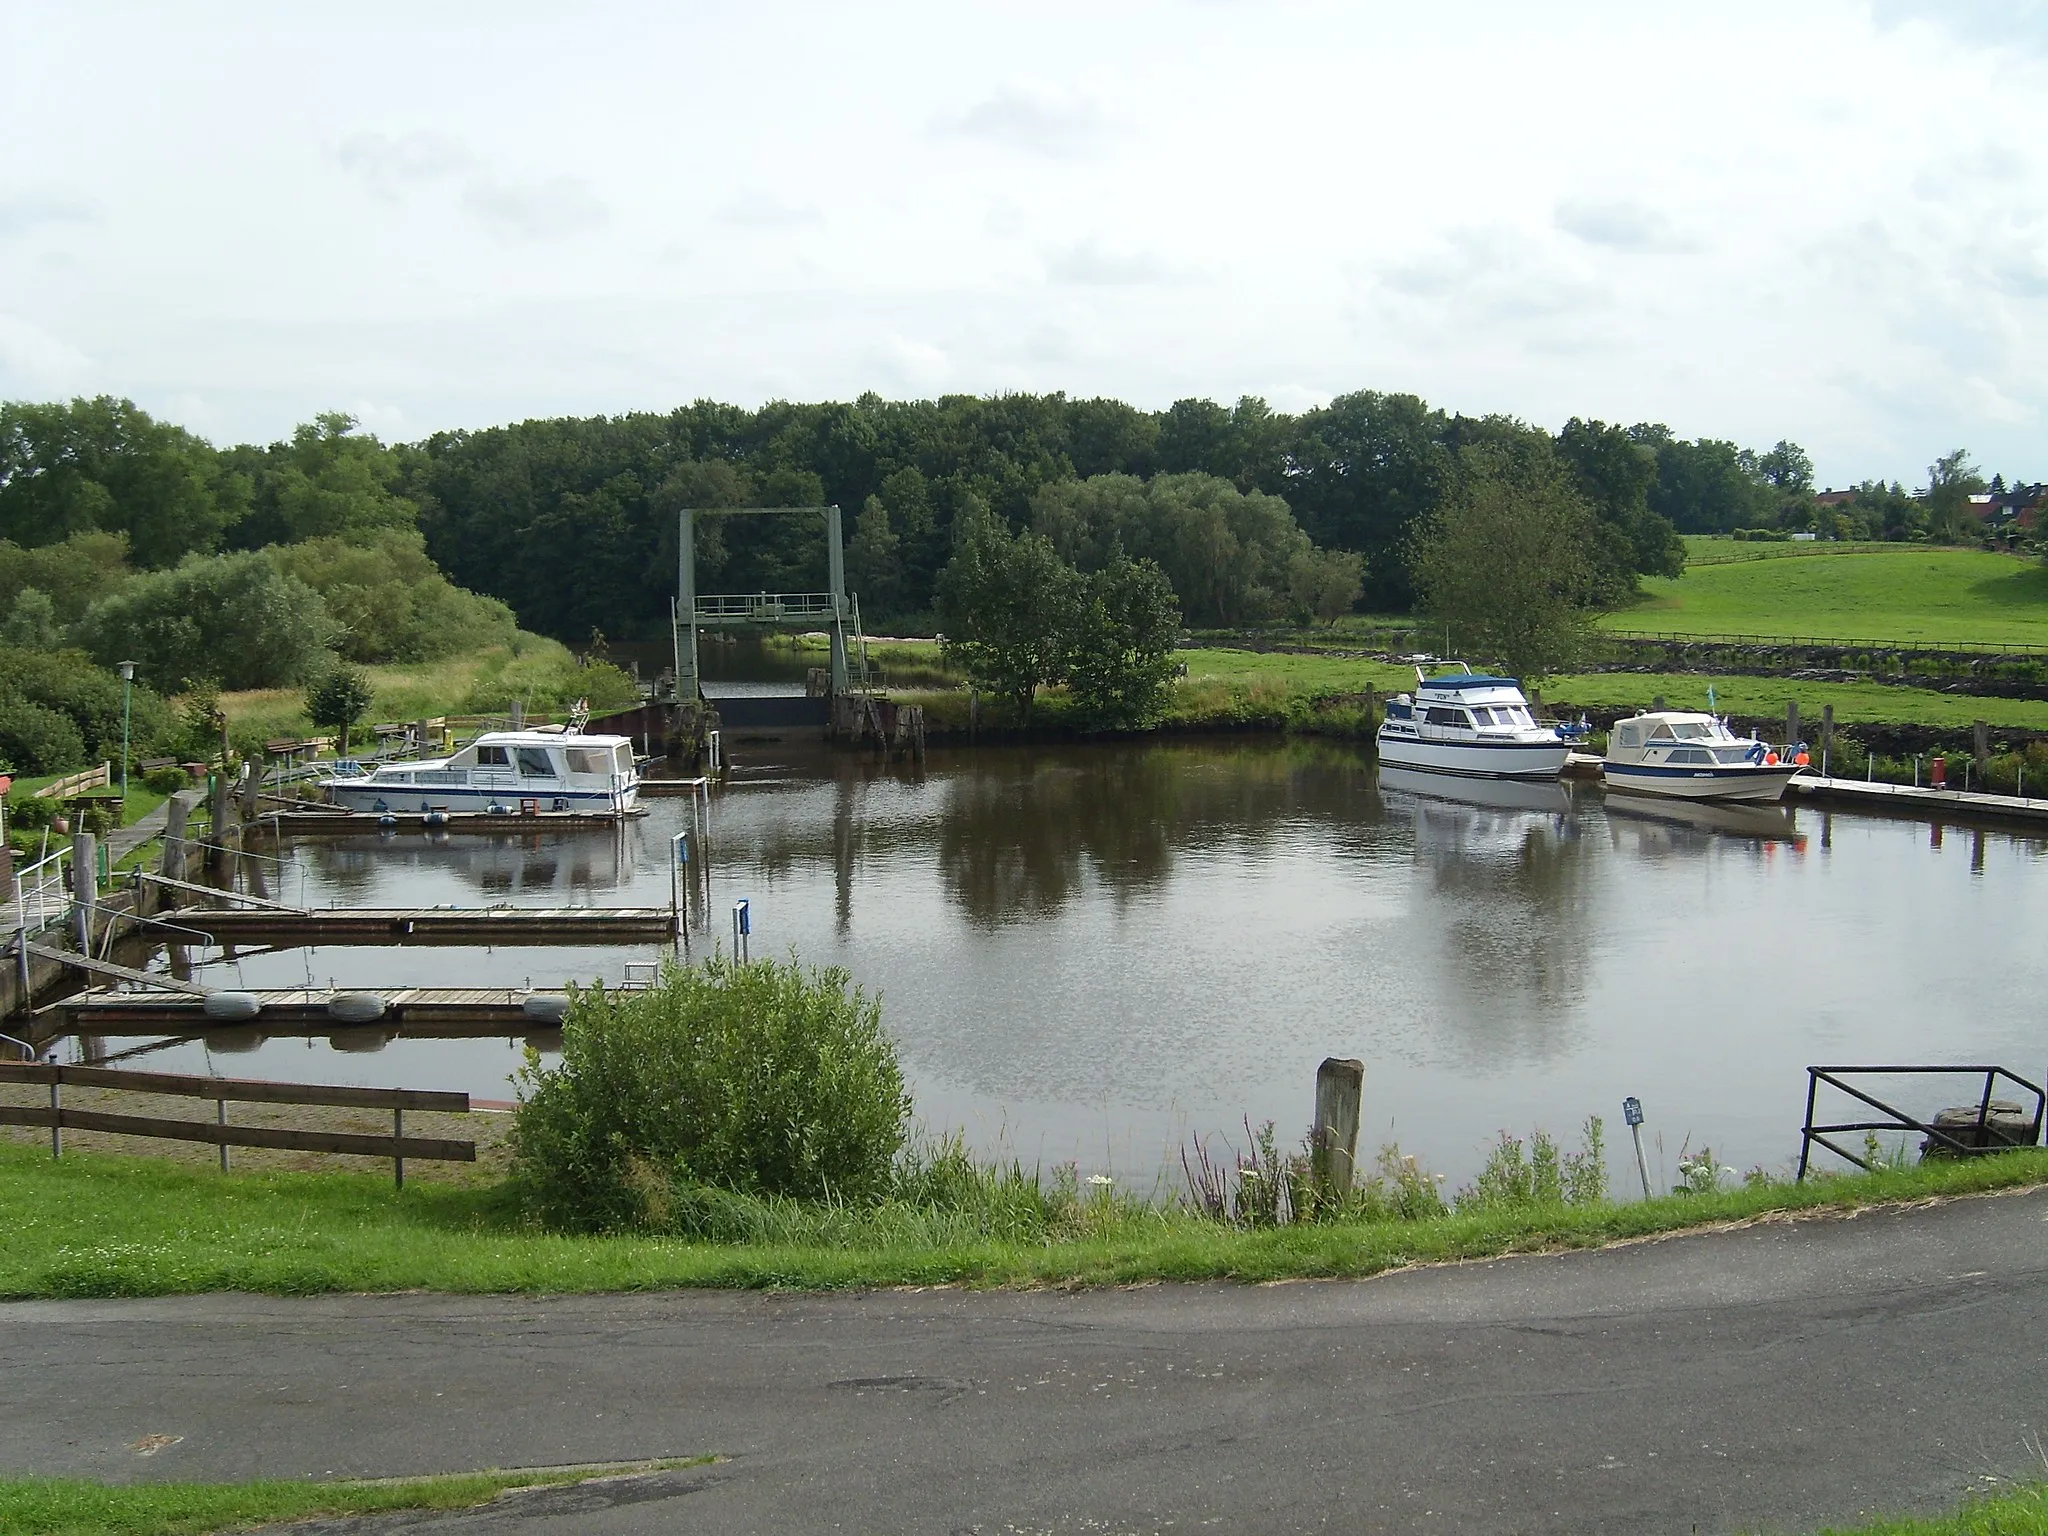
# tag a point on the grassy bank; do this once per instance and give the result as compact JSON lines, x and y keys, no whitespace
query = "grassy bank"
{"x":541,"y":674}
{"x":2022,"y":1512}
{"x":106,"y":1226}
{"x":1904,"y":592}
{"x":62,"y":1506}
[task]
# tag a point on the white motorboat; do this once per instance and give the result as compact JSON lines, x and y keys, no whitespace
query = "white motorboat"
{"x":1472,"y":725}
{"x":1695,"y":757}
{"x":548,"y":769}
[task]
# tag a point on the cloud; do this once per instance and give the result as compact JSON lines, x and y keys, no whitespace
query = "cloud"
{"x":395,"y":168}
{"x":535,"y":210}
{"x":1621,"y":224}
{"x":755,"y":209}
{"x":390,"y":167}
{"x":27,"y":211}
{"x":1032,"y":124}
{"x":1089,"y":264}
{"x":32,"y":361}
{"x":2000,"y":23}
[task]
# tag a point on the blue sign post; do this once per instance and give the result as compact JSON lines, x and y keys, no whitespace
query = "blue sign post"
{"x":742,"y":927}
{"x":1632,"y":1112}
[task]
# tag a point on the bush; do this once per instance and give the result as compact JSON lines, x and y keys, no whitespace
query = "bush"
{"x":720,"y":1080}
{"x":166,"y":781}
{"x":232,"y":618}
{"x":29,"y":813}
{"x":1543,"y":1175}
{"x":38,"y":740}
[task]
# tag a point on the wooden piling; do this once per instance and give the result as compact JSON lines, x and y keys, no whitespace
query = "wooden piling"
{"x":1981,"y":741}
{"x":1791,"y":726}
{"x":1827,"y":736}
{"x":1340,"y":1085}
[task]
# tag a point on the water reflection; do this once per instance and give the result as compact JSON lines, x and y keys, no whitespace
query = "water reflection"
{"x":1656,"y":826}
{"x":1509,"y":925}
{"x":538,"y":868}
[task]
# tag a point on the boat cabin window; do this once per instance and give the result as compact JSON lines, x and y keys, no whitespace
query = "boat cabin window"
{"x":492,"y":757}
{"x":1689,"y":730}
{"x":1689,"y":755}
{"x":534,"y":764}
{"x":1440,"y":716}
{"x":588,"y":759}
{"x":624,"y":755}
{"x":1628,"y":735}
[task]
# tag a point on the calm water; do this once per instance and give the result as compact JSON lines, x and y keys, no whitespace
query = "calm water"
{"x":1089,"y":953}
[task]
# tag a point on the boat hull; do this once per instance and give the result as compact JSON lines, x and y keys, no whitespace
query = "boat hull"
{"x":1745,"y":782}
{"x":1536,"y":760}
{"x":371,"y":797}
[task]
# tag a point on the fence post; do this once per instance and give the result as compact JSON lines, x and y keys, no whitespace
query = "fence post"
{"x":220,"y":1117}
{"x":397,"y":1161}
{"x":56,"y":1112}
{"x":1340,"y":1084}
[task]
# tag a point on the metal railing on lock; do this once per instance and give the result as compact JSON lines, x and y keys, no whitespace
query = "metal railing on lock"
{"x":1966,"y":1138}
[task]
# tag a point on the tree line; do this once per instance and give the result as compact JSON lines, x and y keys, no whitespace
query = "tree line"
{"x":1256,"y":515}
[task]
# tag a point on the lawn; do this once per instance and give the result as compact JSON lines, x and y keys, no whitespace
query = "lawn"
{"x":97,"y":1225}
{"x":1908,"y":593}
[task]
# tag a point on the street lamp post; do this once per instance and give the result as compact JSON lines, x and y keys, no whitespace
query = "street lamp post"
{"x":127,"y":671}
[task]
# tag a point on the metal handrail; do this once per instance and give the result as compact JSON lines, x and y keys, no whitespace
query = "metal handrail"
{"x":1899,"y":1120}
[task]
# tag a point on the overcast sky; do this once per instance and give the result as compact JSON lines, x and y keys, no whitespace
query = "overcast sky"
{"x":1822,"y":221}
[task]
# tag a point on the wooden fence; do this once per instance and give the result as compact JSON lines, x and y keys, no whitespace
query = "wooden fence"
{"x":1822,"y":643}
{"x":225,"y":1090}
{"x":78,"y":783}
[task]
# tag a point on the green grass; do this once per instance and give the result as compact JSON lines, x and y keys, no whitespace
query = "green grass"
{"x":1915,"y":593}
{"x":2022,"y":1512}
{"x":1766,"y":697}
{"x":105,"y":1226}
{"x":62,"y":1506}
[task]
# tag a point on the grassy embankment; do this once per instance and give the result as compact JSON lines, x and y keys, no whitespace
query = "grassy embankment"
{"x":542,"y":674}
{"x":94,"y":1225}
{"x":1914,"y":593}
{"x":63,"y":1506}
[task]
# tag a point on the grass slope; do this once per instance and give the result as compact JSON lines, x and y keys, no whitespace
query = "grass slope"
{"x":62,"y":1506}
{"x":106,"y":1226}
{"x":2023,"y":1512}
{"x":1914,"y":593}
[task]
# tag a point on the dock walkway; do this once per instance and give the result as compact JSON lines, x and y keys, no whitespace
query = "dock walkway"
{"x":441,"y":1012}
{"x":1906,"y":800}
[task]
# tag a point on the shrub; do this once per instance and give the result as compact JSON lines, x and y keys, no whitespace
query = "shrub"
{"x":36,"y":739}
{"x":29,"y":813}
{"x":1542,"y":1175}
{"x":724,"y":1079}
{"x":166,"y":781}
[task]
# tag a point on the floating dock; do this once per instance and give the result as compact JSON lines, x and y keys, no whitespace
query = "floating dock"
{"x":428,"y":925}
{"x":1927,"y":804}
{"x":439,"y":1012}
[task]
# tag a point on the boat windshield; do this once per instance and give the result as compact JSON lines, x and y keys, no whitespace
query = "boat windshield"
{"x":1691,"y":730}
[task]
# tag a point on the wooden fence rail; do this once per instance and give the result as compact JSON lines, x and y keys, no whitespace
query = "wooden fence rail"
{"x":225,"y":1090}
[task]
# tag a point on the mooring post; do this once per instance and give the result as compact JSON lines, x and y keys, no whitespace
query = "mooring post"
{"x":220,"y":1118}
{"x":1632,"y":1112}
{"x":1340,"y":1084}
{"x":1827,"y":736}
{"x":1791,"y":728}
{"x":1981,"y":741}
{"x":56,"y":1114}
{"x":85,"y":884}
{"x":397,"y":1158}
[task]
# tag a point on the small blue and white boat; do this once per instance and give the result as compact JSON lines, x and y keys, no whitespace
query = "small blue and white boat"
{"x":1695,"y":757}
{"x":504,"y":771}
{"x":1472,"y":725}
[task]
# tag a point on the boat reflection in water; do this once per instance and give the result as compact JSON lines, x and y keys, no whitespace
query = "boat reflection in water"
{"x":1661,"y":823}
{"x":1515,"y":799}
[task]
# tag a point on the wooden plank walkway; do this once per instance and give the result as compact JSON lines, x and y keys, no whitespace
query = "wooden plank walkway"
{"x":1931,"y":804}
{"x":432,"y":925}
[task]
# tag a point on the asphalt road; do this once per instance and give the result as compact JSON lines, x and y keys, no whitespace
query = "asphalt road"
{"x":1774,"y":1378}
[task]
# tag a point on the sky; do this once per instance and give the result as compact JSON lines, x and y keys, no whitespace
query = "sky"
{"x":1821,"y":221}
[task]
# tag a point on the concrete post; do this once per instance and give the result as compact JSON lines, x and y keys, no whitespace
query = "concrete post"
{"x":835,"y":563}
